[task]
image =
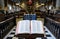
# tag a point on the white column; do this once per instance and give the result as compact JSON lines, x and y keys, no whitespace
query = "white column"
{"x":57,"y":4}
{"x":2,"y":3}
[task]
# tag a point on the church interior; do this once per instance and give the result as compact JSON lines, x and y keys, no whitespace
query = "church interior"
{"x":29,"y":19}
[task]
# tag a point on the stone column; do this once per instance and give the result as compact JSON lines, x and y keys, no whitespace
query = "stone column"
{"x":2,"y":4}
{"x":57,"y":4}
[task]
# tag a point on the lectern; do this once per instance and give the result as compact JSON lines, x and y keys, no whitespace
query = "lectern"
{"x":30,"y":29}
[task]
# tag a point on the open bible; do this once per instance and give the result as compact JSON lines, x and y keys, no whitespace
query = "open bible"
{"x":29,"y":27}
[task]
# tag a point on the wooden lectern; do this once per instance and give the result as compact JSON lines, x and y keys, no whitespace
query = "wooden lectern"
{"x":30,"y":29}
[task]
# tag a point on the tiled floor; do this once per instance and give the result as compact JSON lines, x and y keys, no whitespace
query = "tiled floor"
{"x":10,"y":35}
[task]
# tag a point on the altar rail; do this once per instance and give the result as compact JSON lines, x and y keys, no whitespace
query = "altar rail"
{"x":6,"y":26}
{"x":53,"y":26}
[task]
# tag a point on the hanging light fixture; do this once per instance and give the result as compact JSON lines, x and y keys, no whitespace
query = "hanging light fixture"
{"x":17,"y":3}
{"x":22,"y":5}
{"x":42,"y":4}
{"x":37,"y":5}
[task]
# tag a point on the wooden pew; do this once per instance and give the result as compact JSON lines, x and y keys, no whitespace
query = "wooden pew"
{"x":6,"y":26}
{"x":53,"y":26}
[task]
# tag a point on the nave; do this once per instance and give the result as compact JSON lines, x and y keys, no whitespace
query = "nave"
{"x":29,"y":19}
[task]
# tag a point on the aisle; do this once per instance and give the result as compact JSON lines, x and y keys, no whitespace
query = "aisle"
{"x":10,"y":35}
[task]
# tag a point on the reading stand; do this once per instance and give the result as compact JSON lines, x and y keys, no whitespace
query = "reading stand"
{"x":30,"y":29}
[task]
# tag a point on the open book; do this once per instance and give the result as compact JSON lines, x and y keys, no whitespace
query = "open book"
{"x":29,"y":27}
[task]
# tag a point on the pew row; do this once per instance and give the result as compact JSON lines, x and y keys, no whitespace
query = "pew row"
{"x":6,"y":26}
{"x":53,"y":26}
